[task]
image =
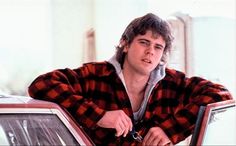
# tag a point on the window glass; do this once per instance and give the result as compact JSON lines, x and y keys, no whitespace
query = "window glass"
{"x":221,"y":128}
{"x":34,"y":129}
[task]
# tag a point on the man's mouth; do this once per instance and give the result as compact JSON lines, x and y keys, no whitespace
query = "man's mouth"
{"x":147,"y":60}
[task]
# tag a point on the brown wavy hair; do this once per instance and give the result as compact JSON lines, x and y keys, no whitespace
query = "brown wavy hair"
{"x":140,"y":26}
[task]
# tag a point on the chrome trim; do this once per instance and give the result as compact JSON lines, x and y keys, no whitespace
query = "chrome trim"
{"x":25,"y":110}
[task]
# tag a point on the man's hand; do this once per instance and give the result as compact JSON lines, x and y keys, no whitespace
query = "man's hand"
{"x":156,"y":136}
{"x":118,"y":120}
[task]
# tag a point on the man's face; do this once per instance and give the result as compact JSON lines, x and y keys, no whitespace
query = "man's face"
{"x":144,"y":53}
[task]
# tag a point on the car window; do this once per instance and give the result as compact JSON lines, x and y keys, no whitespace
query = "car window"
{"x":34,"y":129}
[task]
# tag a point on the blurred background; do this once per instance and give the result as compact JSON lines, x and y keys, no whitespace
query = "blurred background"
{"x":37,"y":36}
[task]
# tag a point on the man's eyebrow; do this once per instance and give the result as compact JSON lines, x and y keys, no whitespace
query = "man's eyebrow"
{"x":141,"y":39}
{"x":157,"y":45}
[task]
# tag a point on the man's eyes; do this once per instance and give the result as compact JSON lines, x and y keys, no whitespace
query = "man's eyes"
{"x":158,"y":48}
{"x":145,"y":43}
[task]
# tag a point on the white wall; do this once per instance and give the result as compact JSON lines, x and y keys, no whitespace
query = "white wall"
{"x":215,"y":50}
{"x":70,"y":21}
{"x":25,"y":42}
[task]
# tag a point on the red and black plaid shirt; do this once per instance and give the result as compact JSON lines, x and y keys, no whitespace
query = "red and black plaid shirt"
{"x":91,"y":90}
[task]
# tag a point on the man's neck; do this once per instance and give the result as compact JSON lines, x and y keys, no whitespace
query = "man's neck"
{"x":135,"y":83}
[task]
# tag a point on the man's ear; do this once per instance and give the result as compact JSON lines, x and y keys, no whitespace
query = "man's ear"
{"x":123,"y":43}
{"x":125,"y":50}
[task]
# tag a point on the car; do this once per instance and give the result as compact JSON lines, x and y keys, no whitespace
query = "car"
{"x":28,"y":121}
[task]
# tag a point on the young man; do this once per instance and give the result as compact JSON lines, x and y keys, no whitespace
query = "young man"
{"x":132,"y":98}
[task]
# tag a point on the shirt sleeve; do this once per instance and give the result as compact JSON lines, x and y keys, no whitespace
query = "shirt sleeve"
{"x":65,"y":87}
{"x":191,"y":93}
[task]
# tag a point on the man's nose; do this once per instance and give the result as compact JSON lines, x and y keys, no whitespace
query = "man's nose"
{"x":150,"y":50}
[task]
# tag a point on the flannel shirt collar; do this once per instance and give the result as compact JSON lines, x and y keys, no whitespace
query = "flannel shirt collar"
{"x":100,"y":71}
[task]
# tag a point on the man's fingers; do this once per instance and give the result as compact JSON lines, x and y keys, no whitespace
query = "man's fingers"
{"x":147,"y":139}
{"x":127,"y":123}
{"x":118,"y":120}
{"x":157,"y":141}
{"x":119,"y":130}
{"x":167,"y":143}
{"x":153,"y":140}
{"x":123,"y":127}
{"x":156,"y":136}
{"x":130,"y":124}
